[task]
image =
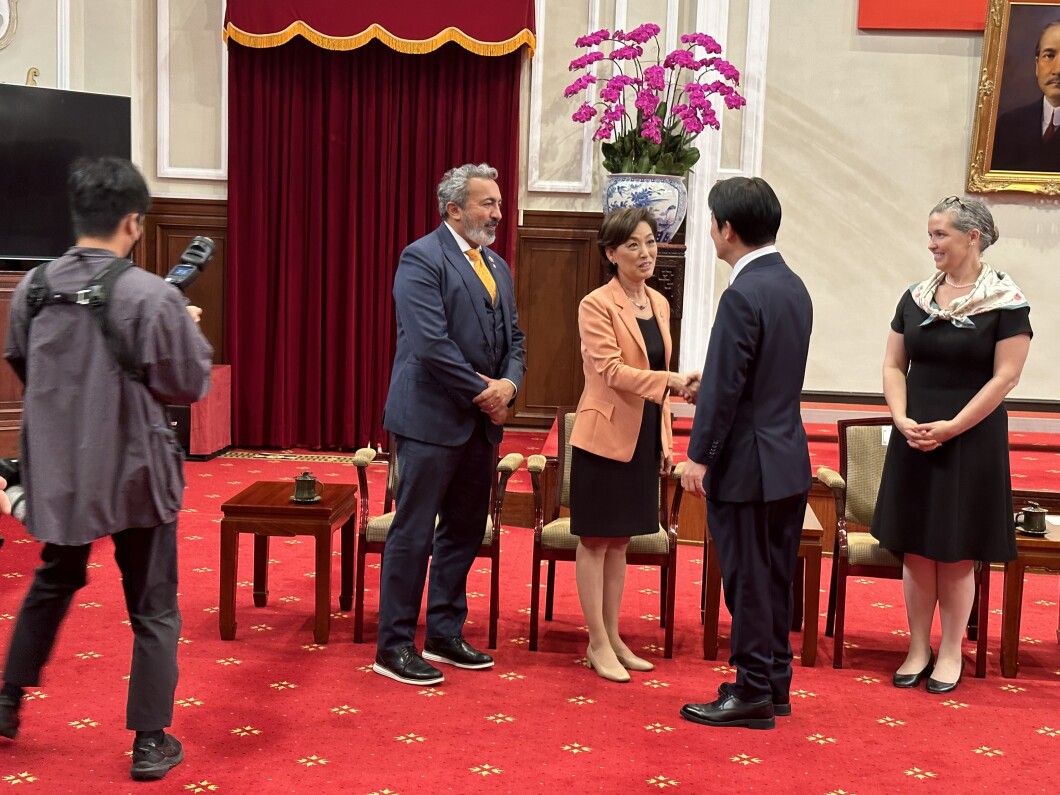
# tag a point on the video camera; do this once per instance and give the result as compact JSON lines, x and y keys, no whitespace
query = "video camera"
{"x":192,"y":263}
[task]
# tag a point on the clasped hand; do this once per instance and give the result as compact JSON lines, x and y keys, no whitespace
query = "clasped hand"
{"x":685,"y":385}
{"x":926,"y":436}
{"x":494,"y":399}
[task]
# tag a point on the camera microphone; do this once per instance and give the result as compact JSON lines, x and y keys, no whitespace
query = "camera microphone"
{"x":192,"y":263}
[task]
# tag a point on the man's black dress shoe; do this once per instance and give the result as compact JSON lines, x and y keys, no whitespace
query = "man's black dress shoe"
{"x":780,"y":709}
{"x":405,"y":665}
{"x":9,"y":716}
{"x":730,"y":711}
{"x":455,"y":651}
{"x":914,"y":680}
{"x":938,"y":688}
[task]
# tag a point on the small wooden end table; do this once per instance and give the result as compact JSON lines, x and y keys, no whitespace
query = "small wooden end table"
{"x":1031,"y":551}
{"x":807,"y":585}
{"x":265,"y":509}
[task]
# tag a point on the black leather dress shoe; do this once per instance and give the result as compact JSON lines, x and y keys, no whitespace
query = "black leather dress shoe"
{"x":405,"y":665}
{"x":455,"y":651}
{"x":914,"y":680}
{"x":9,"y":716}
{"x":938,"y":688}
{"x":782,"y":709}
{"x":731,"y":711}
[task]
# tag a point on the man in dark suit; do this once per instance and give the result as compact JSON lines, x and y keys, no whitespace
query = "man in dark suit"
{"x":749,"y":446}
{"x":1027,"y":139}
{"x":459,"y":362}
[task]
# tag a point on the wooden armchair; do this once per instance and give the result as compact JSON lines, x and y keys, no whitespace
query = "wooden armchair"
{"x":372,"y":530}
{"x":553,"y":540}
{"x":856,"y":552}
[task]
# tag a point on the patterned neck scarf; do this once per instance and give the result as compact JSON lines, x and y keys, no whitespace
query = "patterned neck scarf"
{"x":992,"y":290}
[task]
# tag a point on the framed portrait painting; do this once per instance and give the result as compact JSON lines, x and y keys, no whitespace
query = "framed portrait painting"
{"x":1015,"y":137}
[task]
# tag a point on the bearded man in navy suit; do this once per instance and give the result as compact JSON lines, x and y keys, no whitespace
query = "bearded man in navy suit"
{"x":748,"y":453}
{"x":460,"y":360}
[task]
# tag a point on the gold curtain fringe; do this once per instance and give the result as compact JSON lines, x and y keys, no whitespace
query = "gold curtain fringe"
{"x":376,"y":31}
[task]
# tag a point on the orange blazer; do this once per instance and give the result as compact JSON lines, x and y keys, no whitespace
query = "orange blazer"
{"x":618,"y":378}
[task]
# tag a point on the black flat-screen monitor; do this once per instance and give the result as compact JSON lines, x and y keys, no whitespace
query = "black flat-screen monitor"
{"x":42,"y":131}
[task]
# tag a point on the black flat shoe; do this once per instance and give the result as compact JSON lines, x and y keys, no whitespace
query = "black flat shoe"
{"x":914,"y":680}
{"x":938,"y":688}
{"x":456,"y":651}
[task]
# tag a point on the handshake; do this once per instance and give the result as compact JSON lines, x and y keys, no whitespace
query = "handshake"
{"x":685,"y":385}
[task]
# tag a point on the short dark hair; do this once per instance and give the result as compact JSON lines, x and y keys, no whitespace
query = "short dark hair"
{"x":749,"y":206}
{"x":102,"y":191}
{"x":1038,"y":44}
{"x":619,"y":226}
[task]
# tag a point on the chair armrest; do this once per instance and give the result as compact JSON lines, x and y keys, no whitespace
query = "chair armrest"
{"x":831,"y":478}
{"x":510,"y":463}
{"x":364,"y":457}
{"x":535,"y":464}
{"x":675,"y":473}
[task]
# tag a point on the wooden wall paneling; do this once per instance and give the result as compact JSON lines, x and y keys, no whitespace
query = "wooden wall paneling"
{"x":170,"y":226}
{"x":10,"y":386}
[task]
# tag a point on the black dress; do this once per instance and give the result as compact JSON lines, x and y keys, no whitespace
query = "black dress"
{"x":955,"y":502}
{"x":619,"y":499}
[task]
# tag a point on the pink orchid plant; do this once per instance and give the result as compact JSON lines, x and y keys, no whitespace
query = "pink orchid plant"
{"x":650,"y":115}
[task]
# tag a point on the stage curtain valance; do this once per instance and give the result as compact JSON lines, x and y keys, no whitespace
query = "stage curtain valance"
{"x":407,"y":27}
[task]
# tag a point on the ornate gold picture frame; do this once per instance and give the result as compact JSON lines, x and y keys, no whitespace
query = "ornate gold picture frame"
{"x":8,"y":18}
{"x":1013,"y":146}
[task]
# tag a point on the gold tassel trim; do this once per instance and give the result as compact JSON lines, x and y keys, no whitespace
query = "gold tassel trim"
{"x":376,"y":31}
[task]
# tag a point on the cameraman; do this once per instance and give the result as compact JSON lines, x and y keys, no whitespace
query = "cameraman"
{"x":98,"y":456}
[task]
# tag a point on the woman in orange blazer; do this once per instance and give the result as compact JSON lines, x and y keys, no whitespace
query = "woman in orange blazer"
{"x":622,"y":435}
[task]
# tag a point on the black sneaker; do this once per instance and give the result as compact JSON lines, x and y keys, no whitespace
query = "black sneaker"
{"x":455,"y":651}
{"x":9,"y":716}
{"x":405,"y":665}
{"x":151,"y":760}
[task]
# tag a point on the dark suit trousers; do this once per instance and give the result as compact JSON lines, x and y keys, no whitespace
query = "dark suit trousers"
{"x":758,"y":544}
{"x":452,"y":484}
{"x":147,"y":558}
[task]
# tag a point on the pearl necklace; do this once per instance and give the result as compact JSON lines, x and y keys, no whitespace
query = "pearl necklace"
{"x":960,"y":286}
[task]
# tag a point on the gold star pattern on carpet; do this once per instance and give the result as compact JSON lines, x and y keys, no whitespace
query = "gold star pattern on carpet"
{"x":987,"y":751}
{"x":283,"y":685}
{"x":25,"y":777}
{"x":410,"y":738}
{"x":84,"y":723}
{"x":920,"y":774}
{"x":744,"y":759}
{"x":190,"y":701}
{"x":486,"y":769}
{"x":345,"y":709}
{"x":500,"y":718}
{"x":889,"y":721}
{"x":658,"y":728}
{"x":201,"y":786}
{"x":820,"y":739}
{"x":245,"y":731}
{"x":577,"y":748}
{"x":312,"y":761}
{"x":662,"y":781}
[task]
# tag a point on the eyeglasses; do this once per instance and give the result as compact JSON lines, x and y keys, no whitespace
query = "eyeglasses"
{"x":955,"y":199}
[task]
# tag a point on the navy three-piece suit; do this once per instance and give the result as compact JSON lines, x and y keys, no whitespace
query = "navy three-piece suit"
{"x":449,"y":331}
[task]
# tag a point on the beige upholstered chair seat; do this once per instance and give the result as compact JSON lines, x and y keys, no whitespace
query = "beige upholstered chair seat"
{"x":379,"y":526}
{"x":557,"y":535}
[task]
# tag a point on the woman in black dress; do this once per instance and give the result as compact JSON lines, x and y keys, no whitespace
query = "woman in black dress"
{"x":957,"y":346}
{"x":622,"y":435}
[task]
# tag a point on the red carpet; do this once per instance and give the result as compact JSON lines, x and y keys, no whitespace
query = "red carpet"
{"x":270,"y":712}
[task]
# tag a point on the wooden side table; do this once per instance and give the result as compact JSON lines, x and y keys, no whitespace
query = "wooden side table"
{"x":1041,"y":552}
{"x":264,"y":510}
{"x":806,"y":608}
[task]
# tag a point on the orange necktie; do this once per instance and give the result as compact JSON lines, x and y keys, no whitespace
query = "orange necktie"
{"x":483,"y":272}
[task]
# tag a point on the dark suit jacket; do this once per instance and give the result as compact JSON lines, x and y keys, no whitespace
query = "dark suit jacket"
{"x":748,"y":429}
{"x":445,"y":337}
{"x":1018,"y":142}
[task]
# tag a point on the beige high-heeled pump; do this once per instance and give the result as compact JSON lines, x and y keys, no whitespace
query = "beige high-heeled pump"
{"x":617,"y":674}
{"x":632,"y":662}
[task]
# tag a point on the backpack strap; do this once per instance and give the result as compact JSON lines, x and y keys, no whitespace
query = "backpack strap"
{"x":93,"y":295}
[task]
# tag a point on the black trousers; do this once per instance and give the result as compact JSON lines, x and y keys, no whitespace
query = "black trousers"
{"x":451,"y":484}
{"x":147,"y":558}
{"x":758,"y":544}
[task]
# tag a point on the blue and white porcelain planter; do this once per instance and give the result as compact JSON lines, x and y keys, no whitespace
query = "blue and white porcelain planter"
{"x":665,"y":195}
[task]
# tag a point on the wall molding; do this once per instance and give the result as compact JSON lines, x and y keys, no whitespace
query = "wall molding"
{"x":584,"y":184}
{"x":164,"y":167}
{"x":62,"y":44}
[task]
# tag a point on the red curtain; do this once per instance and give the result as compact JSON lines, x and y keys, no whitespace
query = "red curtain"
{"x":920,"y":15}
{"x":334,"y":158}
